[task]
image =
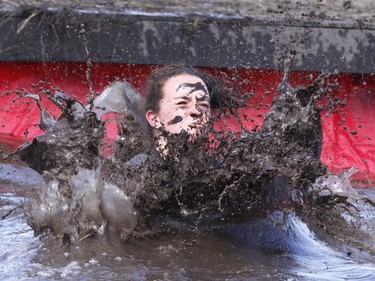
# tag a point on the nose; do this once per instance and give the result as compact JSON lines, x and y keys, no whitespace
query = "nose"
{"x":195,"y":111}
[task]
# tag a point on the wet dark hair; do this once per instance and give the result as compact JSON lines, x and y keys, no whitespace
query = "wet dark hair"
{"x":216,"y":89}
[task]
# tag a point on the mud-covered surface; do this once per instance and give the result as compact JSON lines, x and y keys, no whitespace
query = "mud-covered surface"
{"x":329,"y":35}
{"x":324,"y":9}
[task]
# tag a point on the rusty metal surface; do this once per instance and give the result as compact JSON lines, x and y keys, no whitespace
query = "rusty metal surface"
{"x":325,"y":35}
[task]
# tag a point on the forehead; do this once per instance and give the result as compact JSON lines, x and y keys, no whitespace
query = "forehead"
{"x":181,"y":85}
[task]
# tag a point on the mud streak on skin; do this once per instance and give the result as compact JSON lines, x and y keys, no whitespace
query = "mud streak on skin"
{"x":195,"y":87}
{"x":175,"y":120}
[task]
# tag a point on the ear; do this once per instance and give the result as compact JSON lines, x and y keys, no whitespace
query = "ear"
{"x":153,"y":119}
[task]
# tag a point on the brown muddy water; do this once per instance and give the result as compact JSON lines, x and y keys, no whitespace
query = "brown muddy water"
{"x":284,"y":249}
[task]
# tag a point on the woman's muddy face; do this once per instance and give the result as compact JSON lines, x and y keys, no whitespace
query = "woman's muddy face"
{"x":185,"y":105}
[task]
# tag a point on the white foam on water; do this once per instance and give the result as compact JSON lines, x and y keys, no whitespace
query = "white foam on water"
{"x":319,"y":261}
{"x":18,"y":245}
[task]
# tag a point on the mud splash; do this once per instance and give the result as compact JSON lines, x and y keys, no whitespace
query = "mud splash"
{"x":232,"y":177}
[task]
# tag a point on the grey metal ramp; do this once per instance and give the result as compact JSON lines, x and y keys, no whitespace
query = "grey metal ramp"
{"x":325,"y":35}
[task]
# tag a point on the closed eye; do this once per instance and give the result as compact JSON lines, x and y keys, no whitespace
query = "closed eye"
{"x":205,"y":104}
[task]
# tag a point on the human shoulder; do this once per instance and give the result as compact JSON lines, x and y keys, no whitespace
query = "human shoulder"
{"x":141,"y":158}
{"x":138,"y":160}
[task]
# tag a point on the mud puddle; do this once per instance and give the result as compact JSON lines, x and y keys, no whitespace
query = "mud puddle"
{"x":260,"y":249}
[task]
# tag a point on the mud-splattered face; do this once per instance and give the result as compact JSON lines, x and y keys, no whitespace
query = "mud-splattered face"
{"x":185,"y":105}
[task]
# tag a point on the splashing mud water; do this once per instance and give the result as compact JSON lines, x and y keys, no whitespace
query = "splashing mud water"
{"x":227,"y":179}
{"x":232,"y":205}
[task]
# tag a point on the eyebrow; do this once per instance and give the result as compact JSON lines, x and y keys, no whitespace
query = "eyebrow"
{"x":203,"y":98}
{"x":195,"y":87}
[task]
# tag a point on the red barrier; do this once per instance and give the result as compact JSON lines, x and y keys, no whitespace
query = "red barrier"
{"x":348,"y":133}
